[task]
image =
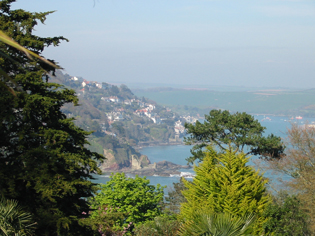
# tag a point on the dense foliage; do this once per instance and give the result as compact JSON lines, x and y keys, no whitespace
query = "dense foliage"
{"x":133,"y":196}
{"x":299,"y":165}
{"x":44,"y":163}
{"x":286,"y":217}
{"x":160,"y":226}
{"x":224,"y":183}
{"x":239,"y":132}
{"x":175,"y":197}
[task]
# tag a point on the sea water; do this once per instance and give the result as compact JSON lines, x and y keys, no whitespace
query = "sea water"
{"x":277,"y":125}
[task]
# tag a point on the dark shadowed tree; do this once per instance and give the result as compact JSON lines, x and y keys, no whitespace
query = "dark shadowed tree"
{"x":44,"y":163}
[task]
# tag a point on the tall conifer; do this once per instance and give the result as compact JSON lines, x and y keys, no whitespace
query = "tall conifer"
{"x":44,"y":163}
{"x":224,"y":183}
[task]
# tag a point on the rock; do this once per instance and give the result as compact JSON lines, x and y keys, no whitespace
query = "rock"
{"x":170,"y":165}
{"x":139,"y":165}
{"x":117,"y":162}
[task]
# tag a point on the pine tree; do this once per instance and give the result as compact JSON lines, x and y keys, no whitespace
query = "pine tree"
{"x":224,"y":183}
{"x":44,"y":162}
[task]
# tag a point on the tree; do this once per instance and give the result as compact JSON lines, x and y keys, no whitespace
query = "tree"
{"x":105,"y":221}
{"x":44,"y":163}
{"x":224,"y":183}
{"x":13,"y":220}
{"x":175,"y":197}
{"x":239,"y":132}
{"x":136,"y":197}
{"x":286,"y":217}
{"x":299,"y":165}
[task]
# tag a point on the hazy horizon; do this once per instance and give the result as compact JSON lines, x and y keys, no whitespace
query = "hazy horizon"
{"x":202,"y":42}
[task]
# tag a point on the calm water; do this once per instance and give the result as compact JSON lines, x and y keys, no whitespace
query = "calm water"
{"x":177,"y":154}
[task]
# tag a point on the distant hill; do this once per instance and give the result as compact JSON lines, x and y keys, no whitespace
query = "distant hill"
{"x":266,"y":101}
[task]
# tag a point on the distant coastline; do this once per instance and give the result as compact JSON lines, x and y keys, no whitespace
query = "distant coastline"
{"x":157,"y":143}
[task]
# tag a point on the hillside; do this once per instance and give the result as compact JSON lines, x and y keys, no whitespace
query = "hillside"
{"x":120,"y":121}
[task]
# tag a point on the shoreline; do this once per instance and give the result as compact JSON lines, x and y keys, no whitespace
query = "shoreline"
{"x":139,"y":147}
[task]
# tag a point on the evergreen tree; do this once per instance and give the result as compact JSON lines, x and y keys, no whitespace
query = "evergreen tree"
{"x":44,"y":163}
{"x":224,"y":183}
{"x":238,"y":132}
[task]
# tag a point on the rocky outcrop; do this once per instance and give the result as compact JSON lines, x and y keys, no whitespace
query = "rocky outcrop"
{"x":139,"y":165}
{"x":166,"y":165}
{"x":116,"y":162}
{"x":139,"y":162}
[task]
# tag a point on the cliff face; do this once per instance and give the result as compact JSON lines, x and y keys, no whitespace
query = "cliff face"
{"x":127,"y":161}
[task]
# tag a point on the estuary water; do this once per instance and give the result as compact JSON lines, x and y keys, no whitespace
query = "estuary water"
{"x":177,"y":154}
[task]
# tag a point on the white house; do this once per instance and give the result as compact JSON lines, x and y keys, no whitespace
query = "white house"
{"x":106,"y":99}
{"x":156,"y":119}
{"x":151,"y":107}
{"x":114,"y":99}
{"x":127,"y":102}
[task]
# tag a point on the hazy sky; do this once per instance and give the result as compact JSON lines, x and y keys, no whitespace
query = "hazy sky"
{"x":212,"y":42}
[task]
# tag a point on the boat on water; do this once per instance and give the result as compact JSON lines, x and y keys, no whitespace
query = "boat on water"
{"x":299,"y":117}
{"x":266,"y":119}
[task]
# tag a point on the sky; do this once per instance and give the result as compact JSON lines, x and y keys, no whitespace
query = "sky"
{"x":251,"y":43}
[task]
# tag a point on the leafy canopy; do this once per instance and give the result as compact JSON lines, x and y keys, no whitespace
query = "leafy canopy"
{"x":239,"y":132}
{"x":134,"y":196}
{"x":299,"y":165}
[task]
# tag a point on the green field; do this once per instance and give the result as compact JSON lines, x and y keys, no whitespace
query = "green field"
{"x":279,"y":103}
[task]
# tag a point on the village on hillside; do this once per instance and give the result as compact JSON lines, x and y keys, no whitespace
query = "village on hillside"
{"x":116,"y":111}
{"x":119,"y":114}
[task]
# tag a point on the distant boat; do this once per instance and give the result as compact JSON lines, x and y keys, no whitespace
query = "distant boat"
{"x":299,"y":117}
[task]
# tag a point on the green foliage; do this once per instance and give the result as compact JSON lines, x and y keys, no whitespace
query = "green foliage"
{"x":232,"y":131}
{"x":160,"y":226}
{"x":44,"y":164}
{"x":107,"y":222}
{"x":175,"y":198}
{"x":13,"y":220}
{"x":218,"y":224}
{"x":223,"y":183}
{"x":286,"y":217}
{"x":133,"y":196}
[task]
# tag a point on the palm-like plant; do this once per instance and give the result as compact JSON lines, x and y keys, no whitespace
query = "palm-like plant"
{"x":13,"y":220}
{"x":222,"y":224}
